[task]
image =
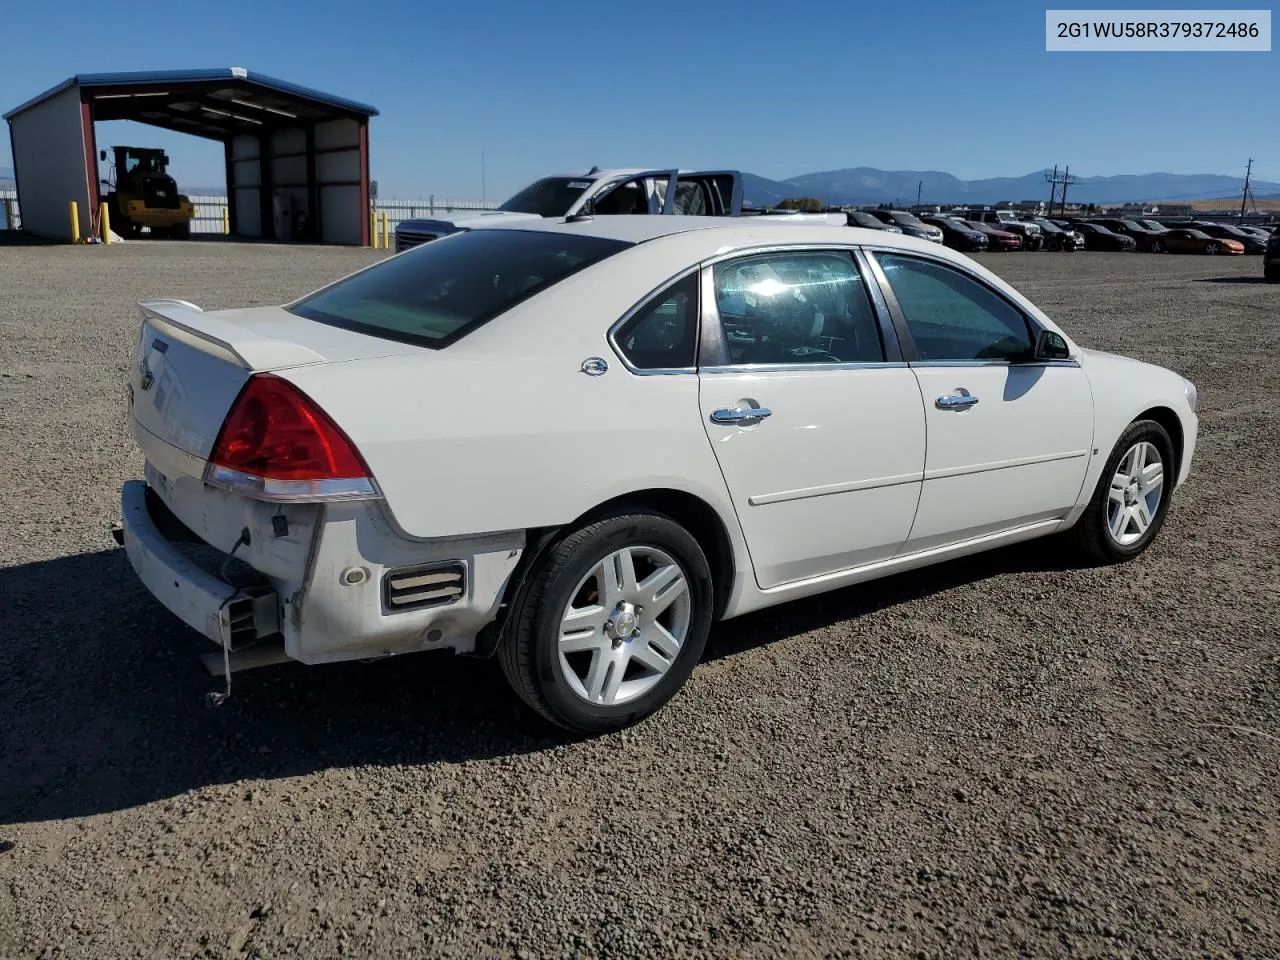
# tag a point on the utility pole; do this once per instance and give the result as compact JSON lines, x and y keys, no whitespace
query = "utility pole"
{"x":1055,"y":181}
{"x":919,"y":187}
{"x":1244,"y":197}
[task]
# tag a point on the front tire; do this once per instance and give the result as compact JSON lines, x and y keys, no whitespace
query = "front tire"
{"x":1132,"y":497}
{"x":1271,"y":272}
{"x":612,"y":622}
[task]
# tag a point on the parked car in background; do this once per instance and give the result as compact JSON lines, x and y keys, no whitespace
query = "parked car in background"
{"x":998,"y":240}
{"x":1226,"y":231}
{"x":1262,"y":233}
{"x":860,"y":218}
{"x":362,"y":451}
{"x":958,"y":236}
{"x":1055,"y":237}
{"x":1155,"y":226}
{"x":1007,"y":220}
{"x":1197,"y":241}
{"x":617,"y":191}
{"x":908,"y":223}
{"x":1098,"y":237}
{"x":1271,"y":259}
{"x":1144,"y":238}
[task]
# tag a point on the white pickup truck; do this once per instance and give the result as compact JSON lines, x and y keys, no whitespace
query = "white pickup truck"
{"x":711,"y":193}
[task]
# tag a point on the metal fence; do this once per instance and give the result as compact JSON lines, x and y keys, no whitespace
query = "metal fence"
{"x":211,"y":210}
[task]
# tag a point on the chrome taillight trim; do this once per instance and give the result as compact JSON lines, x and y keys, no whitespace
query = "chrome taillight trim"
{"x":291,"y":491}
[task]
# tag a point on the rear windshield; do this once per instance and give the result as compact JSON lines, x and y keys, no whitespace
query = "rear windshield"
{"x":438,"y":292}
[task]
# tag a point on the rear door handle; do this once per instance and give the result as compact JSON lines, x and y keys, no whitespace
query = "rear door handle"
{"x":739,"y":414}
{"x":955,"y":401}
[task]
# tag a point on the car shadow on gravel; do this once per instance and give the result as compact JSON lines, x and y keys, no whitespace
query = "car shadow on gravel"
{"x":849,"y":603}
{"x":1232,"y":280}
{"x":102,"y":698}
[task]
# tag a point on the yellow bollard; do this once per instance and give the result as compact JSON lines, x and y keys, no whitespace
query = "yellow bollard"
{"x":106,"y":222}
{"x":75,"y":222}
{"x":226,"y":222}
{"x":373,"y":229}
{"x":386,"y":237}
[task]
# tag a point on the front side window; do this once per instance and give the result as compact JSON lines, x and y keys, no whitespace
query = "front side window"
{"x":953,"y":317}
{"x":663,"y":334}
{"x":802,"y":307}
{"x":438,"y":292}
{"x":629,"y":198}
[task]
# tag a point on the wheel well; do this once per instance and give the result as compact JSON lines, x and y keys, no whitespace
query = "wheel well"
{"x":1173,"y":426}
{"x":701,"y":520}
{"x":694,"y":514}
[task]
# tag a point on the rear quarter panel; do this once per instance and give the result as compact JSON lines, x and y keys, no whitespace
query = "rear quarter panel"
{"x":502,"y":430}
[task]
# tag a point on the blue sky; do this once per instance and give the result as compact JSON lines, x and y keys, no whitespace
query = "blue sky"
{"x":777,"y":89}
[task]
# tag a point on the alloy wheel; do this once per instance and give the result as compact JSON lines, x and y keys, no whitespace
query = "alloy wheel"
{"x":1136,"y":490}
{"x":624,"y":625}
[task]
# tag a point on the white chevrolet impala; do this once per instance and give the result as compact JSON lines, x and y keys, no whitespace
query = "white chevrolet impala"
{"x":575,"y":444}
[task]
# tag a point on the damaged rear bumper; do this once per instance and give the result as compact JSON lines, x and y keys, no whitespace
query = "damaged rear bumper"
{"x":232,"y":617}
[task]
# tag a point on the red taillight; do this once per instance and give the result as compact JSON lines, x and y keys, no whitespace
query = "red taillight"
{"x":277,"y":443}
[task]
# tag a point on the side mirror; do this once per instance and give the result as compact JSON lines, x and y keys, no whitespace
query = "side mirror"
{"x":102,"y":155}
{"x":1051,"y":346}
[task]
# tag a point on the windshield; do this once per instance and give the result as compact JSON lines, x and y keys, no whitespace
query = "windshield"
{"x":548,"y":197}
{"x":439,"y":292}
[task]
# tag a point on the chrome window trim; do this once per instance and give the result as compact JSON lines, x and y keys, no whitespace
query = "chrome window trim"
{"x":611,"y":335}
{"x":713,"y":354}
{"x":993,"y":363}
{"x":740,"y":368}
{"x":713,"y":344}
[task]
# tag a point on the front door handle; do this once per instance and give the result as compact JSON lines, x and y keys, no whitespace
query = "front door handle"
{"x":955,"y":401}
{"x":739,"y":414}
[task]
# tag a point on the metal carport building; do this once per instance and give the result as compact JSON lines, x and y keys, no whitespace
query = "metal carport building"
{"x":288,"y":149}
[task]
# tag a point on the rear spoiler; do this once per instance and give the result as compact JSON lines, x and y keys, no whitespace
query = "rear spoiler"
{"x":237,"y":344}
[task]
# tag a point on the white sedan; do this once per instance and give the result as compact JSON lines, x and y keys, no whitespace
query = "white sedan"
{"x":575,"y":444}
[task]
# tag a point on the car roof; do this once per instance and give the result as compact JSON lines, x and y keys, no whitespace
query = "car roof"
{"x":613,"y":172}
{"x":718,"y":234}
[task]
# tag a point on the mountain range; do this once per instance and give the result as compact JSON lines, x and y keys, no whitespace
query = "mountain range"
{"x":858,"y":185}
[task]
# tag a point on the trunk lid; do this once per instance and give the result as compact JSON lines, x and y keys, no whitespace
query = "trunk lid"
{"x":189,"y":366}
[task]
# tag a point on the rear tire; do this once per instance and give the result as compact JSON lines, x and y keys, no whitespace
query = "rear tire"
{"x":580,"y":648}
{"x":1124,"y":515}
{"x":1271,"y":271}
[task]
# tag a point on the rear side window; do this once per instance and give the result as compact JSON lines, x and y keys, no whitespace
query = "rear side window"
{"x":663,"y":334}
{"x":437,"y":293}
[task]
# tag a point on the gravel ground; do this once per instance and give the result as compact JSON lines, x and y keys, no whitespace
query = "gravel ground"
{"x":995,"y":757}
